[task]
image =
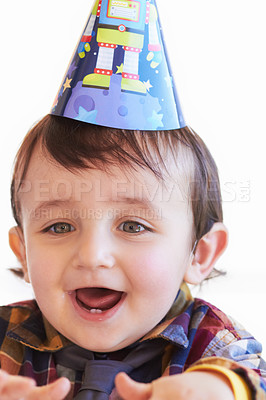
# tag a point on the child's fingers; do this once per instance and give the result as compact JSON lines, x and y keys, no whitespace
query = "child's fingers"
{"x":131,"y":390}
{"x":14,"y":387}
{"x":3,"y":377}
{"x":19,"y":387}
{"x":54,"y":391}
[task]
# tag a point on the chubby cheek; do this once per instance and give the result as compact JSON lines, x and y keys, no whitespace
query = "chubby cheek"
{"x":42,"y":269}
{"x":154,"y":287}
{"x":48,"y":293}
{"x":153,"y":275}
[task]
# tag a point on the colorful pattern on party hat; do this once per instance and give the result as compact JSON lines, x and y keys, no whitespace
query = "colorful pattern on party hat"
{"x":120,"y":75}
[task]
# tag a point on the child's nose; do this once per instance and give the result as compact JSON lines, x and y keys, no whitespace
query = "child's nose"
{"x":95,"y":250}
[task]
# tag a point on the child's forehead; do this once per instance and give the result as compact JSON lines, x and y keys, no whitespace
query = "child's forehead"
{"x":49,"y":180}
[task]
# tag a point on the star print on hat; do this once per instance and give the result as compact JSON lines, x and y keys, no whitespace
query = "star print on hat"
{"x":120,"y":75}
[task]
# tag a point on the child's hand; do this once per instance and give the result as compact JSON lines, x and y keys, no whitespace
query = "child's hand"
{"x":189,"y":386}
{"x":19,"y":387}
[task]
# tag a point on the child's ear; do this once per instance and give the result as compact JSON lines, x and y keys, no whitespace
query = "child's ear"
{"x":17,"y":244}
{"x":209,"y":248}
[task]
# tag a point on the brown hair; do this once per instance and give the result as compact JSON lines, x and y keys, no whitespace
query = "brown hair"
{"x":78,"y":145}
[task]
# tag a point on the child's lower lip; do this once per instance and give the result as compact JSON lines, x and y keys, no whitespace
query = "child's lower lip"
{"x":95,"y":315}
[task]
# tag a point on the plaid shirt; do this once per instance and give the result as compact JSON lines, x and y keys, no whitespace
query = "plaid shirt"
{"x":195,"y":331}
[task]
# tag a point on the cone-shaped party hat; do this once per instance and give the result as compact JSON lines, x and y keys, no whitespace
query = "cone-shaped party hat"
{"x":120,"y":75}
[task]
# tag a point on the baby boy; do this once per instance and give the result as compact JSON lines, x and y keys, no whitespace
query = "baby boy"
{"x":111,"y":225}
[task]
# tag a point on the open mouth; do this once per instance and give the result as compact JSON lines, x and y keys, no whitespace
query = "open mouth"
{"x":97,"y":300}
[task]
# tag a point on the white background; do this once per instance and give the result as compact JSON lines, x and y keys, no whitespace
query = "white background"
{"x":217,"y":52}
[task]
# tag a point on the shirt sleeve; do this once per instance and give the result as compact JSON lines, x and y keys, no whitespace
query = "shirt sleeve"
{"x":240,"y":388}
{"x":224,"y":342}
{"x":253,"y":385}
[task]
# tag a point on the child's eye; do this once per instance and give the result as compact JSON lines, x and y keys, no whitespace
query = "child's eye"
{"x":132,"y":227}
{"x":61,"y":227}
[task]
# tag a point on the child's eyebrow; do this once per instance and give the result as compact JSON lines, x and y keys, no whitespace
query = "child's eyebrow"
{"x":131,"y":201}
{"x":51,"y":203}
{"x":135,"y":201}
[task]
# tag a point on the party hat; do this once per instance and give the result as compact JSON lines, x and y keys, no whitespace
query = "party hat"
{"x":120,"y":74}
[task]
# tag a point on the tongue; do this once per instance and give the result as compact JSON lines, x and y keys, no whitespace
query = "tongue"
{"x":98,"y":298}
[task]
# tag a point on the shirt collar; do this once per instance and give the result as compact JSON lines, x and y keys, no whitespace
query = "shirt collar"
{"x":36,"y":332}
{"x":174,"y":327}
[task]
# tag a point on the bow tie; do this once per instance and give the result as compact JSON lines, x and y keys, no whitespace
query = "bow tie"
{"x":99,"y":374}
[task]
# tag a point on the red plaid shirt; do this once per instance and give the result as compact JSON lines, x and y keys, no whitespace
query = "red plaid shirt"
{"x":195,"y":331}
